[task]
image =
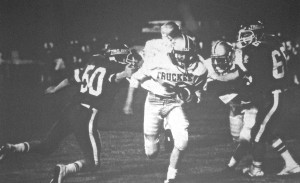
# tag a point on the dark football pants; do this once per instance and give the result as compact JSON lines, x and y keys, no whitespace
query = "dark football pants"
{"x":80,"y":120}
{"x":268,"y":117}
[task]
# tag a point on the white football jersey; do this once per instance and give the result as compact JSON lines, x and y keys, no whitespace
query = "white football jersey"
{"x":210,"y":78}
{"x":156,"y":46}
{"x":160,"y":75}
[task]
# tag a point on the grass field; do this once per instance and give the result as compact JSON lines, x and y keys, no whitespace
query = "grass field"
{"x":26,"y":113}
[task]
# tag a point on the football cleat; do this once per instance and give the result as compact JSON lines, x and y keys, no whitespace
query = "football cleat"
{"x":169,"y":141}
{"x":4,"y":150}
{"x":60,"y":173}
{"x":253,"y":171}
{"x":289,"y":170}
{"x":170,"y":181}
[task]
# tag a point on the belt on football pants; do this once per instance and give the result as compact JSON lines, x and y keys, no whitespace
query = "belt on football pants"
{"x":87,"y":106}
{"x":163,"y":97}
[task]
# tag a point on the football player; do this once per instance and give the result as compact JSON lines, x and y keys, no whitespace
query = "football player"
{"x":99,"y":81}
{"x":266,"y":64}
{"x":169,"y":31}
{"x":173,"y":79}
{"x":226,"y":80}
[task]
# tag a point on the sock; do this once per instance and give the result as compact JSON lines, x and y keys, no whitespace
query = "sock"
{"x":256,"y":165}
{"x":172,"y":173}
{"x":74,"y":167}
{"x":280,"y":147}
{"x":21,"y":147}
{"x":232,"y":163}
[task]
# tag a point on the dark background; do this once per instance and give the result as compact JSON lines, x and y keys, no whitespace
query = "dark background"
{"x":26,"y":24}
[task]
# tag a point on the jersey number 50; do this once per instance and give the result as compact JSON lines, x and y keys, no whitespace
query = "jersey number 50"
{"x":278,"y":65}
{"x":89,"y":77}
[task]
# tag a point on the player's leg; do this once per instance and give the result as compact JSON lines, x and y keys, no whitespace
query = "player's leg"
{"x":57,"y":133}
{"x":84,"y":126}
{"x":249,"y":117}
{"x":235,"y":120}
{"x":268,"y":109}
{"x":179,"y":126}
{"x":291,"y":166}
{"x":278,"y":144}
{"x":168,"y":138}
{"x":152,"y":125}
{"x":235,"y":126}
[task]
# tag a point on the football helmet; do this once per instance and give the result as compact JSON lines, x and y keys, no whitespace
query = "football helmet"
{"x":183,"y":53}
{"x":117,"y":52}
{"x":250,"y":33}
{"x":134,"y":59}
{"x":221,"y":57}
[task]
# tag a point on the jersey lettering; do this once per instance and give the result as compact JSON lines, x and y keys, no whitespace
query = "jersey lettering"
{"x":175,"y":77}
{"x":89,"y":77}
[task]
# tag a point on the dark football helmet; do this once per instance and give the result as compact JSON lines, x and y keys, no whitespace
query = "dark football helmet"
{"x":183,"y":53}
{"x":250,"y":33}
{"x":134,"y":59}
{"x":221,"y":57}
{"x":117,"y":52}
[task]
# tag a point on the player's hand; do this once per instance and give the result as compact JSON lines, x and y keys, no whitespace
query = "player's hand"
{"x":248,"y":79}
{"x":128,"y":109}
{"x":50,"y":90}
{"x":198,"y":96}
{"x":129,"y":70}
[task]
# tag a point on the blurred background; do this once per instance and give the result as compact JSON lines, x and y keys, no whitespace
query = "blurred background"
{"x":50,"y":32}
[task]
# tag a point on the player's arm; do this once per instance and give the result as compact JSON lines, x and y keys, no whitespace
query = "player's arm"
{"x":135,"y":81}
{"x":201,"y":82}
{"x":53,"y":89}
{"x":73,"y":78}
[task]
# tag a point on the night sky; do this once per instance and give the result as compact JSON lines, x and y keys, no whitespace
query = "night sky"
{"x":26,"y":24}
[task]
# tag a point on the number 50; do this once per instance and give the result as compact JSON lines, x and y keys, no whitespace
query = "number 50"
{"x":88,"y":81}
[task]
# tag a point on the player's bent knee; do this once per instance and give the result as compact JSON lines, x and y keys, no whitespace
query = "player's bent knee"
{"x":151,"y":146}
{"x":181,"y":142}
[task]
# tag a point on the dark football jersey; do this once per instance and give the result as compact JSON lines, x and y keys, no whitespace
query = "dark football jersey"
{"x":266,"y":63}
{"x":97,"y":82}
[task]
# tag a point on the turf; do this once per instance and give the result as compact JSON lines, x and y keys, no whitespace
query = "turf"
{"x":26,"y":113}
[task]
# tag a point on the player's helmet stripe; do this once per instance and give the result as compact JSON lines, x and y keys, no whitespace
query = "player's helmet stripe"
{"x":214,"y":49}
{"x":186,"y":39}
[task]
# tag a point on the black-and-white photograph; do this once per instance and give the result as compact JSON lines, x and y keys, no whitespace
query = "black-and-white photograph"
{"x":149,"y":91}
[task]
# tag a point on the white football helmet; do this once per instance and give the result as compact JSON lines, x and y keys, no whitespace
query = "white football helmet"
{"x":183,"y":53}
{"x":222,"y":57}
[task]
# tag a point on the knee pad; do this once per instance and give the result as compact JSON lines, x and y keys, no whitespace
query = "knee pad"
{"x":235,"y":124}
{"x":151,"y":146}
{"x":181,"y":140}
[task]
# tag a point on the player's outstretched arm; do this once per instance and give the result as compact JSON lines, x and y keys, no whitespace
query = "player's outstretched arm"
{"x":61,"y":85}
{"x":125,"y":74}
